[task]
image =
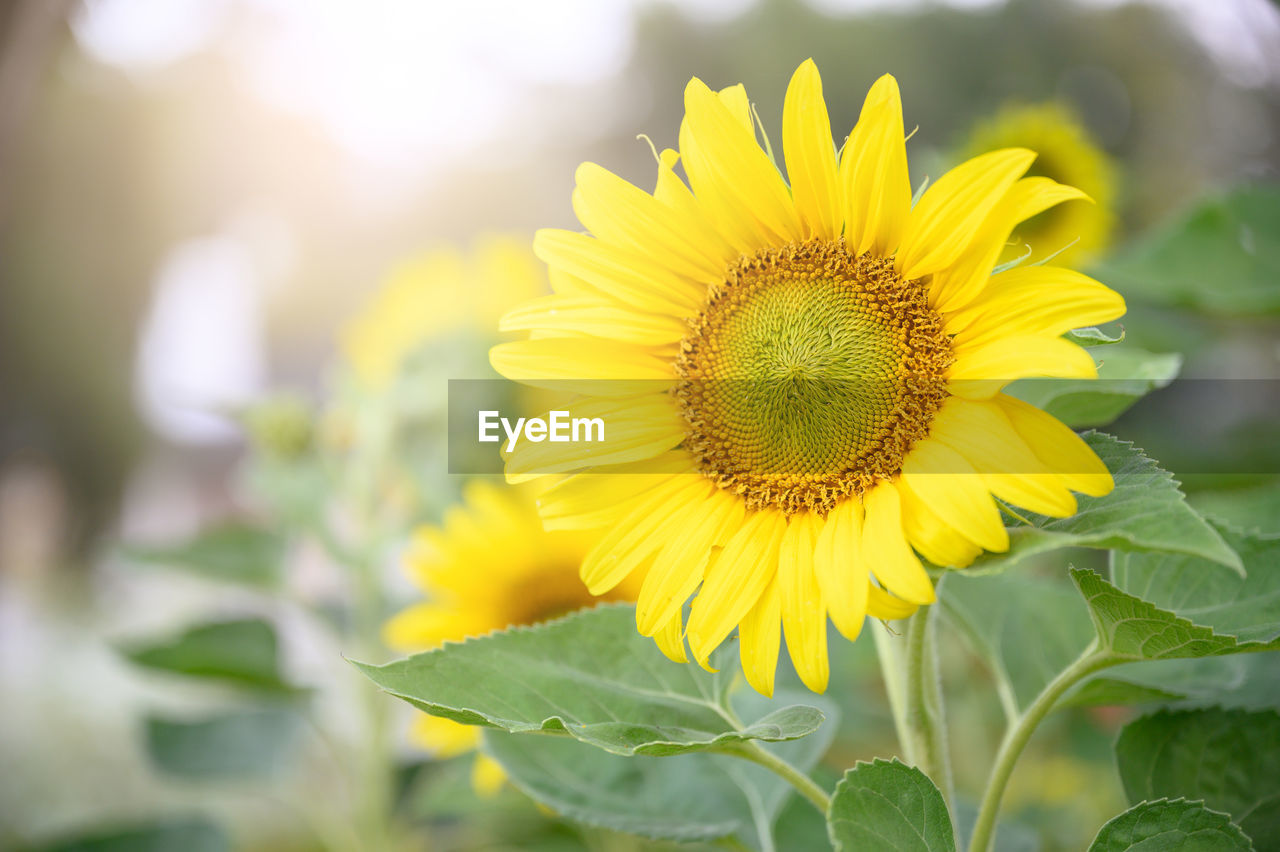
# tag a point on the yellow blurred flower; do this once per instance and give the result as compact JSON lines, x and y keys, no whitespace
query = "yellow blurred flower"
{"x":1068,"y":154}
{"x":489,"y":565}
{"x":440,"y":291}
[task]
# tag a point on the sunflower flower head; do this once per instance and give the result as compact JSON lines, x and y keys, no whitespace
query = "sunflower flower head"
{"x":488,"y":565}
{"x":826,"y":362}
{"x":1067,"y":153}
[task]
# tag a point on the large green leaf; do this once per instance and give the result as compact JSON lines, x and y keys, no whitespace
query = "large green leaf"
{"x":887,"y":805}
{"x":1247,"y":608}
{"x":1125,"y":375}
{"x":1144,"y":512}
{"x":1130,"y":628}
{"x":684,"y":797}
{"x":1225,"y":757}
{"x":235,"y":552}
{"x":996,"y":612}
{"x":240,"y":743}
{"x":1221,"y":256}
{"x":244,"y":652}
{"x":1170,"y":826}
{"x":171,"y":835}
{"x":592,"y":676}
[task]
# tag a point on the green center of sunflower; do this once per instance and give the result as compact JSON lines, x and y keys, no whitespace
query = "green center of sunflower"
{"x":809,"y":376}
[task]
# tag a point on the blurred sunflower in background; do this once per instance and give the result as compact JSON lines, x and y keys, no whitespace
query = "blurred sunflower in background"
{"x":443,"y":291}
{"x":1067,"y":153}
{"x":820,"y":351}
{"x":488,"y":565}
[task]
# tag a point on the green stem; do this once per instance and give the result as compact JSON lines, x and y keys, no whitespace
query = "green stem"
{"x":926,"y":729}
{"x":1019,"y":732}
{"x":892,"y":670}
{"x":804,"y":785}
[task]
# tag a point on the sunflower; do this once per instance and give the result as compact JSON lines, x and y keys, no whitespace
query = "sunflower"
{"x":827,"y":359}
{"x":440,"y":291}
{"x":1066,"y":153}
{"x":488,"y":565}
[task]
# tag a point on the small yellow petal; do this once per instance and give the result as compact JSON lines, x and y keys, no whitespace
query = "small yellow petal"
{"x":951,"y":212}
{"x":884,"y":546}
{"x":1035,"y":300}
{"x":735,"y":580}
{"x":983,"y":369}
{"x":841,"y":568}
{"x":873,"y":173}
{"x":759,"y":638}
{"x":953,"y":490}
{"x":804,"y":613}
{"x":1063,"y":452}
{"x":670,"y":639}
{"x":678,"y":568}
{"x":810,"y":155}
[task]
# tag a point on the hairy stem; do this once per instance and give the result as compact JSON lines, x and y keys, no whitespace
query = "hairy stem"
{"x":804,"y":785}
{"x":924,"y":716}
{"x":1019,"y":732}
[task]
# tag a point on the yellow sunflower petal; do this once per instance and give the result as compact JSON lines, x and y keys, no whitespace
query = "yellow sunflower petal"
{"x":634,"y":428}
{"x":626,"y":216}
{"x":841,"y":568}
{"x":759,"y":637}
{"x":810,"y":155}
{"x":932,"y":537}
{"x":884,"y":606}
{"x":955,"y":286}
{"x":982,"y":369}
{"x":1035,"y":300}
{"x":428,"y":625}
{"x":619,"y":273}
{"x":678,"y":568}
{"x":585,"y":315}
{"x":735,"y":581}
{"x":884,"y":546}
{"x":487,"y":776}
{"x":804,"y":613}
{"x":600,"y":367}
{"x":952,"y":489}
{"x":951,"y":212}
{"x":982,"y":433}
{"x":629,"y":543}
{"x":873,"y":172}
{"x":670,"y":639}
{"x":1063,"y":452}
{"x":596,"y":499}
{"x":732,"y":176}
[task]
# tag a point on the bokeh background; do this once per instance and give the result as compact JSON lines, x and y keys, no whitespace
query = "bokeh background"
{"x":197,"y":195}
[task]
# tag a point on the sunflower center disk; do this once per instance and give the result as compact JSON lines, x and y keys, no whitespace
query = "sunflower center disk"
{"x":809,"y":376}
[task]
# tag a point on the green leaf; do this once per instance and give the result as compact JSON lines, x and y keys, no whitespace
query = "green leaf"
{"x":236,"y":553}
{"x":243,"y":652}
{"x":240,"y":743}
{"x":172,"y":835}
{"x":1125,"y":375}
{"x":1246,"y":608}
{"x":1092,"y":336}
{"x":1145,"y":512}
{"x":589,"y":675}
{"x":1219,"y":256}
{"x":1130,"y":628}
{"x":1225,"y":757}
{"x":684,"y":797}
{"x":887,"y":805}
{"x":1165,"y":826}
{"x":996,"y":612}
